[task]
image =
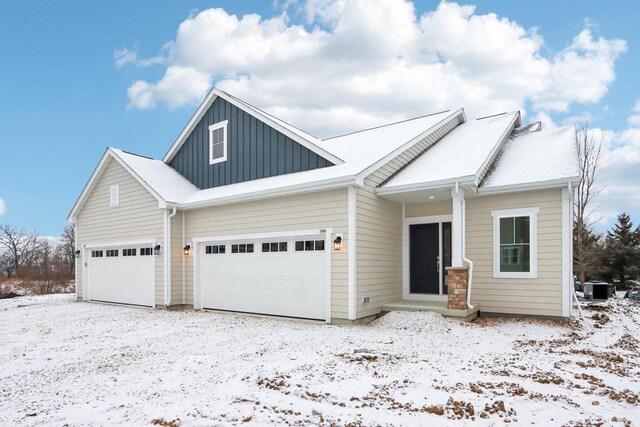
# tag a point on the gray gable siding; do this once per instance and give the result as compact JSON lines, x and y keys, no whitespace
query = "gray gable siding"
{"x":254,"y":150}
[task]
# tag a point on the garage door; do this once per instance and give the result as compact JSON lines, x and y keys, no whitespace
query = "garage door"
{"x":122,"y":274}
{"x":276,"y":276}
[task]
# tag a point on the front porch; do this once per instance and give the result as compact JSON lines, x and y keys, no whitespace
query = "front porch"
{"x":439,"y":307}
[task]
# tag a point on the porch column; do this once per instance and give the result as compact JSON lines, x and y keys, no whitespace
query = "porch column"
{"x":457,"y":228}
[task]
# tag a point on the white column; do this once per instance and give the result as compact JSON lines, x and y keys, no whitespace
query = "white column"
{"x":457,"y":228}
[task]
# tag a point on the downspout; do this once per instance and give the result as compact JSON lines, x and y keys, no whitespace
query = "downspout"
{"x":167,"y":257}
{"x":464,"y":245}
{"x":464,"y":250}
{"x":184,"y":292}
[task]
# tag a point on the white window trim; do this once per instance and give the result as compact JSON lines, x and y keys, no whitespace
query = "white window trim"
{"x":532,"y":213}
{"x":213,"y":127}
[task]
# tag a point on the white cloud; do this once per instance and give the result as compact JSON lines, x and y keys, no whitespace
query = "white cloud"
{"x":368,"y":61}
{"x":124,"y":56}
{"x":3,"y":207}
{"x":620,"y":175}
{"x":634,"y":118}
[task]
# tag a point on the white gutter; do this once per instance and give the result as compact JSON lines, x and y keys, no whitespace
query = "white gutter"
{"x":167,"y":256}
{"x":431,"y":185}
{"x":540,"y":185}
{"x":279,"y":191}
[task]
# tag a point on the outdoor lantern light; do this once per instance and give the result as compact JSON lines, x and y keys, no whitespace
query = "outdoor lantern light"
{"x":77,"y":253}
{"x":156,"y":250}
{"x":187,"y":250}
{"x":337,"y":243}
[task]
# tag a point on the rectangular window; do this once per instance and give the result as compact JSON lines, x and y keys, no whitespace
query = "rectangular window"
{"x":112,"y":252}
{"x":310,"y":245}
{"x":240,"y":248}
{"x":274,"y":247}
{"x":214,"y":249}
{"x":515,"y":243}
{"x":129,"y":252}
{"x":96,"y":254}
{"x":114,"y":195}
{"x":218,"y":142}
{"x":146,"y":251}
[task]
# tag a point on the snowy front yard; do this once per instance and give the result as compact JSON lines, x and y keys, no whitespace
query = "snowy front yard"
{"x":79,"y":364}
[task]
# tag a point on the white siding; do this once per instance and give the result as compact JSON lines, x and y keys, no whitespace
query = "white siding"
{"x":540,"y":296}
{"x":379,"y":233}
{"x":322,"y":209}
{"x":136,"y":217}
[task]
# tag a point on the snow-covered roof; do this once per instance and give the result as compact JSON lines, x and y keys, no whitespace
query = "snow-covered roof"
{"x":162,"y":178}
{"x":460,"y":155}
{"x":545,"y":156}
{"x":364,"y":148}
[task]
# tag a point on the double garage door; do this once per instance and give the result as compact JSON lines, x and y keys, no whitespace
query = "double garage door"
{"x":277,"y":276}
{"x":121,"y":274}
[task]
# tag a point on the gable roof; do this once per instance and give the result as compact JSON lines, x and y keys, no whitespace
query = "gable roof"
{"x":365,"y":149}
{"x":160,"y":179}
{"x":539,"y":158}
{"x":306,"y":140}
{"x":463,"y":155}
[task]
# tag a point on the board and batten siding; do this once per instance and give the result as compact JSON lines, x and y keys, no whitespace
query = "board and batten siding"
{"x":136,"y":217}
{"x":314,"y":210}
{"x":540,"y":296}
{"x":254,"y":150}
{"x":379,"y":232}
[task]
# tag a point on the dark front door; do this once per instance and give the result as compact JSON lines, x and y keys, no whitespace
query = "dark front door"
{"x":423,"y":259}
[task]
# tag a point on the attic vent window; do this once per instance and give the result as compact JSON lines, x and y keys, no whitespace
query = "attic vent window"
{"x":114,"y":195}
{"x":218,"y":142}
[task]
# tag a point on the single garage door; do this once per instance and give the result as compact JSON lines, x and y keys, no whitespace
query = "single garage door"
{"x":276,"y":276}
{"x":122,"y":274}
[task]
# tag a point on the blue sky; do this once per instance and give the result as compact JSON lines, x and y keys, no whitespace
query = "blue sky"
{"x":63,"y":98}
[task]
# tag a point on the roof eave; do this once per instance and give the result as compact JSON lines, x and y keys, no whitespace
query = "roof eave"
{"x":432,"y":185}
{"x":538,"y":185}
{"x":275,"y":192}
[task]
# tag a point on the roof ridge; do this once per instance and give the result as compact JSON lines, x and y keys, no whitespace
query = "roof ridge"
{"x":133,"y":154}
{"x":387,"y":124}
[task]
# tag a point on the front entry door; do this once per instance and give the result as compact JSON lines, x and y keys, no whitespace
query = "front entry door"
{"x":424,"y":260}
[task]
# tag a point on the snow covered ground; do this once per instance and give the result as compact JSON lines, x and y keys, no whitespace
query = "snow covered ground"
{"x":87,"y":364}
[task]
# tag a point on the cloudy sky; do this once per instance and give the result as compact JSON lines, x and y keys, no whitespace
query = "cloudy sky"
{"x":78,"y":77}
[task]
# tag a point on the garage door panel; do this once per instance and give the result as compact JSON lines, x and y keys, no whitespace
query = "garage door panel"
{"x":122,"y":279}
{"x":291,"y":283}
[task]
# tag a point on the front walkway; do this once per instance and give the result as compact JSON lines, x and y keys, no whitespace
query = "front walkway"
{"x":439,"y":307}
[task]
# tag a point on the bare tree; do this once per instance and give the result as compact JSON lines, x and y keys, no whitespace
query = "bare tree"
{"x":589,"y":146}
{"x":68,"y":247}
{"x":20,"y":247}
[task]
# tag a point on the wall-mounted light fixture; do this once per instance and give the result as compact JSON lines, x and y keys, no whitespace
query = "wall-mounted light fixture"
{"x":156,"y":250}
{"x":337,"y":242}
{"x":187,"y":250}
{"x":77,"y":252}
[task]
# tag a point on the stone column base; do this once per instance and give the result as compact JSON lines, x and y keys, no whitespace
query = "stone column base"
{"x":457,"y":285}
